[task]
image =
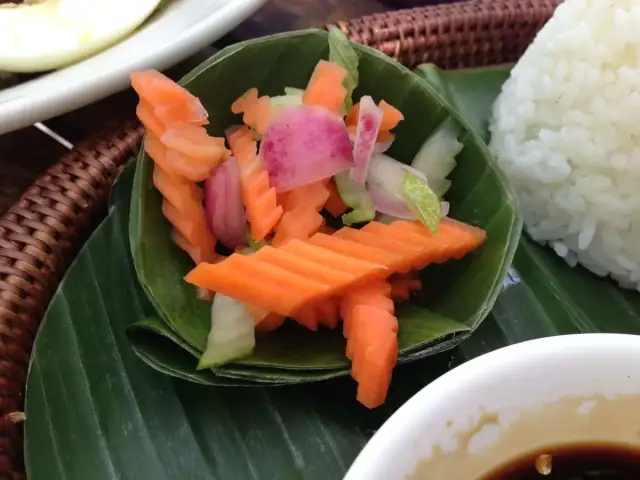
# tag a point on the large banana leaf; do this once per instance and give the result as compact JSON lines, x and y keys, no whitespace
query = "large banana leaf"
{"x":95,"y":411}
{"x":460,"y":293}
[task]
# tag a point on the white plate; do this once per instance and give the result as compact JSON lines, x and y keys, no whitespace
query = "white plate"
{"x":173,"y":34}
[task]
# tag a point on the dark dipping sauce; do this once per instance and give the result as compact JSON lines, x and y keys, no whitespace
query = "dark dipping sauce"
{"x":574,"y":462}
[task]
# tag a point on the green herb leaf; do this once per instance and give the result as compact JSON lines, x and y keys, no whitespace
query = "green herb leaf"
{"x":421,"y":200}
{"x":341,"y":52}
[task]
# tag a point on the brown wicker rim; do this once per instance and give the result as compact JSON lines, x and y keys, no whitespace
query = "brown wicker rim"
{"x":42,"y":232}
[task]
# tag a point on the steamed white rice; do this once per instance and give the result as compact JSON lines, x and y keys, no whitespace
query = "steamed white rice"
{"x":566,"y":130}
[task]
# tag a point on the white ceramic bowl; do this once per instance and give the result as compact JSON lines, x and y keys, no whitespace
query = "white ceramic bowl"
{"x":508,"y":403}
{"x":170,"y":36}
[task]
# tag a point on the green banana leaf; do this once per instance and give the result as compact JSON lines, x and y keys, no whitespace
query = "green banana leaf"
{"x":95,"y":411}
{"x":459,"y":294}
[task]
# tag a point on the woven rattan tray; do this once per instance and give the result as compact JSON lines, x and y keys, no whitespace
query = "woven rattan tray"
{"x":42,"y":232}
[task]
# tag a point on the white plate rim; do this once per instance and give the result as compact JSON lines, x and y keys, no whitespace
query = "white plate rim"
{"x":37,"y":102}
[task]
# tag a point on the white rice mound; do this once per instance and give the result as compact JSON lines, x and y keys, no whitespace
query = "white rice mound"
{"x":566,"y":131}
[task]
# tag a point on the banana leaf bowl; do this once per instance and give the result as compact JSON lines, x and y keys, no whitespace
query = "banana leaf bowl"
{"x":457,"y":295}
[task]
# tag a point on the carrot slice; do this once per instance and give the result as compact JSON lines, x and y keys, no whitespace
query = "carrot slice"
{"x":391,"y":116}
{"x":302,"y":218}
{"x":171,"y":102}
{"x":257,"y":110}
{"x":297,"y":283}
{"x":144,"y":112}
{"x":271,"y":322}
{"x":325,"y":87}
{"x":403,"y":285}
{"x":326,"y":312}
{"x":374,"y":377}
{"x":194,"y":141}
{"x":258,"y":196}
{"x":334,"y":204}
{"x":371,"y":330}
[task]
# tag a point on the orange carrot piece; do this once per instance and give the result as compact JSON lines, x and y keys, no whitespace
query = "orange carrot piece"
{"x":391,"y":116}
{"x":403,"y":285}
{"x":258,"y":196}
{"x":359,"y":270}
{"x":171,"y":102}
{"x":191,"y":226}
{"x":368,"y":322}
{"x":144,"y":112}
{"x":195,"y":142}
{"x":356,"y":250}
{"x":305,"y":267}
{"x":301,"y":218}
{"x":197,"y":253}
{"x":371,"y":331}
{"x":182,"y":194}
{"x":257,"y":111}
{"x":334,"y":204}
{"x":297,"y":284}
{"x":245,"y":100}
{"x":271,"y":322}
{"x":352,"y":117}
{"x":257,"y":283}
{"x":325,"y":87}
{"x":374,"y":377}
{"x":384,"y":136}
{"x":193,"y":169}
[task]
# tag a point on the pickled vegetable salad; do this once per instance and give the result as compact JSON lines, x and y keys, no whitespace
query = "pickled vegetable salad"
{"x":265,"y":192}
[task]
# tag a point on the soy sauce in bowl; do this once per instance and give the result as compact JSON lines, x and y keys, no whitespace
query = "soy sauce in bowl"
{"x":573,"y":462}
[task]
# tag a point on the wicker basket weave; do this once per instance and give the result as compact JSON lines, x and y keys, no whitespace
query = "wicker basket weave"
{"x":41,"y":233}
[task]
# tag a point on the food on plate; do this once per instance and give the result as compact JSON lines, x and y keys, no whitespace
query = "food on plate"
{"x":565,"y":131}
{"x":40,"y":35}
{"x":290,"y":198}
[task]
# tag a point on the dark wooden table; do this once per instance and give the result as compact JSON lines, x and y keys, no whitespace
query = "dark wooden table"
{"x":25,"y":154}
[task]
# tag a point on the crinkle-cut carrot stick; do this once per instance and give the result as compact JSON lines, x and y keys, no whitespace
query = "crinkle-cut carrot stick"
{"x":171,"y":102}
{"x":403,"y":285}
{"x":194,"y":236}
{"x":184,"y":195}
{"x":258,"y":196}
{"x":194,"y":141}
{"x":391,"y":117}
{"x":398,"y":247}
{"x":257,"y":111}
{"x":171,"y":161}
{"x":302,"y":217}
{"x":197,"y":253}
{"x":257,"y":283}
{"x":371,"y":330}
{"x":325,"y":87}
{"x":182,"y":207}
{"x":271,"y":322}
{"x":377,"y":294}
{"x":362,"y":324}
{"x":144,"y":112}
{"x":334,"y":204}
{"x":243,"y":101}
{"x":325,"y":312}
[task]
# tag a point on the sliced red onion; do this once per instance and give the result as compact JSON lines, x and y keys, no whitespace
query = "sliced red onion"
{"x":390,"y":204}
{"x":303,"y":145}
{"x":223,"y":204}
{"x":369,"y":120}
{"x":380,"y":147}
